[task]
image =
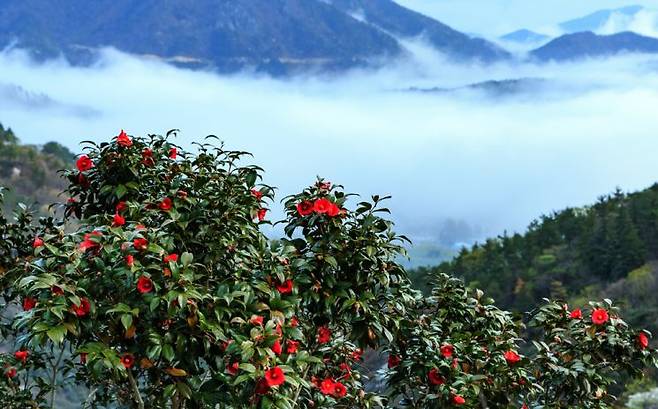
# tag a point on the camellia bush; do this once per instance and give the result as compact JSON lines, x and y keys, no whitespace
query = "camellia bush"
{"x":157,"y":289}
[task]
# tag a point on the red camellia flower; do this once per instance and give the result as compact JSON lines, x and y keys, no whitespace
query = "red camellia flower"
{"x":600,"y":316}
{"x":643,"y":340}
{"x":127,"y":360}
{"x":88,"y":243}
{"x":322,"y":206}
{"x":38,"y":242}
{"x":130,"y":260}
{"x":327,"y":386}
{"x":285,"y":287}
{"x":274,"y":377}
{"x":140,"y":244}
{"x":256,"y":320}
{"x":172,"y":257}
{"x":257,"y":194}
{"x":458,"y":400}
{"x":173,"y":153}
{"x":84,"y":163}
{"x":233,"y":368}
{"x":447,"y":350}
{"x":512,"y":357}
{"x":305,"y":208}
{"x":356,"y":355}
{"x":166,"y":204}
{"x":339,"y":390}
{"x":333,"y":211}
{"x":29,"y":303}
{"x":57,"y":291}
{"x":576,"y":314}
{"x":393,"y":361}
{"x":11,"y":372}
{"x":124,"y":140}
{"x":120,"y":207}
{"x":292,"y":346}
{"x":82,"y":309}
{"x":261,"y":214}
{"x":435,"y":378}
{"x":294,"y":322}
{"x":144,"y":285}
{"x":324,"y":335}
{"x":118,"y":220}
{"x":276,"y":348}
{"x":22,"y":355}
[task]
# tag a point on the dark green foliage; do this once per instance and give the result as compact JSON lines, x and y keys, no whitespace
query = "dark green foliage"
{"x":572,"y":253}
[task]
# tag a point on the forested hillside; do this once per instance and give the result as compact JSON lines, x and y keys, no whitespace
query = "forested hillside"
{"x":608,"y":249}
{"x":30,"y":172}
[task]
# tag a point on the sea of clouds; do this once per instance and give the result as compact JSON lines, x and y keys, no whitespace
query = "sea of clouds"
{"x":494,"y":161}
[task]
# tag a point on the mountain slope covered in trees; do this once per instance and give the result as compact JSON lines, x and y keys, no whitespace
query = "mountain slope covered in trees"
{"x":609,"y":249}
{"x":30,"y":172}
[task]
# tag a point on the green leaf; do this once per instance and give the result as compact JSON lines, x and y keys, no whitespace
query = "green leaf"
{"x":186,"y":259}
{"x":56,"y":334}
{"x":127,"y":320}
{"x":155,"y":302}
{"x":120,"y":191}
{"x":168,"y":352}
{"x":248,"y":367}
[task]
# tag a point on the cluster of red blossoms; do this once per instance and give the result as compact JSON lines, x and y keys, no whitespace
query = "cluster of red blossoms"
{"x":84,"y":163}
{"x":273,"y":376}
{"x":319,"y":206}
{"x":600,"y":316}
{"x":20,"y":355}
{"x":331,"y":387}
{"x":260,"y":214}
{"x":435,"y":378}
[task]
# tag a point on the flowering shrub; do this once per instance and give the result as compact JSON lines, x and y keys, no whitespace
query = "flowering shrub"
{"x":581,"y":352}
{"x":164,"y":293}
{"x":456,"y":348}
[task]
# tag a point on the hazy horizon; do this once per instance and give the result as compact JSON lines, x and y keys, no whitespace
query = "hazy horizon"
{"x":483,"y":17}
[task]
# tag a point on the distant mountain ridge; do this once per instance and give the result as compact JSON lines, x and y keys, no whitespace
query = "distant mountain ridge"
{"x":524,"y":36}
{"x":275,"y":36}
{"x":402,"y":22}
{"x":589,"y":45}
{"x":594,"y":21}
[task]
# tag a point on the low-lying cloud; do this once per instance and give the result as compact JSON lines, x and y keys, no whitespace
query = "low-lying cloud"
{"x":644,"y":22}
{"x":494,"y":162}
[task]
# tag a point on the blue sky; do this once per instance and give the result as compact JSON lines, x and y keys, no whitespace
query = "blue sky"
{"x":496,"y":17}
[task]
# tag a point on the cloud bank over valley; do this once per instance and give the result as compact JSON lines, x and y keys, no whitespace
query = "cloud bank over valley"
{"x":491,"y":155}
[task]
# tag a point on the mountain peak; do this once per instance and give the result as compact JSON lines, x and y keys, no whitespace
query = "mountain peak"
{"x":587,"y":45}
{"x":277,"y":36}
{"x":596,"y":20}
{"x":524,"y":36}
